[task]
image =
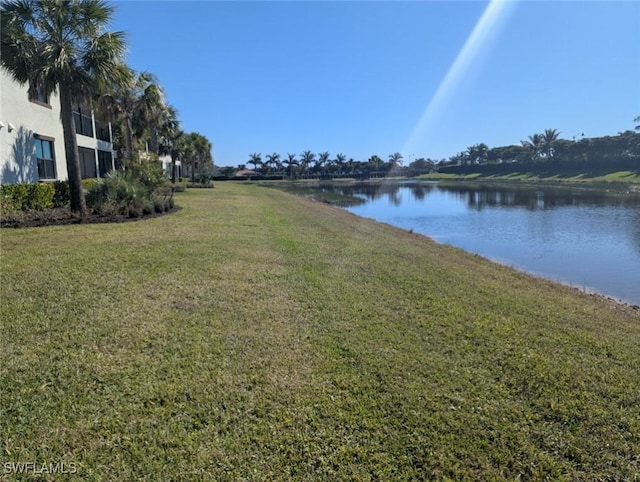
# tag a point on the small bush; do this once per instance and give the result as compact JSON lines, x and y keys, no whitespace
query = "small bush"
{"x":26,"y":197}
{"x":135,"y":212}
{"x":147,"y":208}
{"x":123,"y":192}
{"x":14,"y":197}
{"x":41,"y":196}
{"x":87,"y":183}
{"x":206,"y":185}
{"x":148,"y":170}
{"x":158,"y":205}
{"x":119,"y":190}
{"x":62,"y":194}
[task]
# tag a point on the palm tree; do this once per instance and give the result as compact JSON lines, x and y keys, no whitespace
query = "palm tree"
{"x":137,"y":105}
{"x":307,"y":157}
{"x":549,"y":139}
{"x":477,"y":153}
{"x":151,"y":112}
{"x":340,"y":160}
{"x":323,"y":158}
{"x":395,"y":159}
{"x":182,"y":149}
{"x":375,"y":162}
{"x":63,"y":46}
{"x":290,"y":161}
{"x":273,"y":160}
{"x":534,"y":145}
{"x":255,"y":159}
{"x":201,"y":154}
{"x":168,"y":133}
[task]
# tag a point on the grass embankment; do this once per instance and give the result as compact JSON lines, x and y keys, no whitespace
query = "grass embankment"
{"x":602,"y":178}
{"x":258,"y":336}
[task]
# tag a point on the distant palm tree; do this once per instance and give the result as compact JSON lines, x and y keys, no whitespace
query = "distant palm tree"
{"x":290,"y":161}
{"x":477,"y":153}
{"x":63,"y":46}
{"x":375,"y":162}
{"x":395,"y":159}
{"x":340,"y":161}
{"x":323,"y":158}
{"x":255,"y":159}
{"x":548,"y":142}
{"x":307,"y":157}
{"x":534,"y":146}
{"x":273,"y":160}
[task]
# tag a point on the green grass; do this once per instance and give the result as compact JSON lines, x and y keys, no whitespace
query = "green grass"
{"x":600,"y":177}
{"x":255,"y":335}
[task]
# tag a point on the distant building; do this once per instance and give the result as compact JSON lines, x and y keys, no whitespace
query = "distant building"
{"x":32,"y":142}
{"x":245,"y":173}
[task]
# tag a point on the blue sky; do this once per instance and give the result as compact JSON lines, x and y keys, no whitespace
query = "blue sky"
{"x":423,"y":78}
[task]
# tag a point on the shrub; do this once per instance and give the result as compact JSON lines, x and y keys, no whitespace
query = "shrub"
{"x":62,"y":194}
{"x":117,"y":191}
{"x":87,"y":183}
{"x":149,"y":171}
{"x":124,"y":193}
{"x":26,"y":197}
{"x":207,"y":184}
{"x":40,"y":196}
{"x":14,"y":197}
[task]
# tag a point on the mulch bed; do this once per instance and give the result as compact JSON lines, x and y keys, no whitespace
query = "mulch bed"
{"x":63,"y":216}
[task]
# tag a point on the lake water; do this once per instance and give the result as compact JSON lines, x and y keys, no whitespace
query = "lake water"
{"x":586,"y":238}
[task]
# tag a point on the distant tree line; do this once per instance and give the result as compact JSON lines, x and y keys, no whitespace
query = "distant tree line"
{"x":547,"y":151}
{"x":541,"y":152}
{"x":309,"y":165}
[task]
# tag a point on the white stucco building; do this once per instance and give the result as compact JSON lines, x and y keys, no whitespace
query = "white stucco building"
{"x":32,"y":142}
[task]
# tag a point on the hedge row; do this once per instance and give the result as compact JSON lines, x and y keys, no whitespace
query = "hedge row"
{"x":37,"y":197}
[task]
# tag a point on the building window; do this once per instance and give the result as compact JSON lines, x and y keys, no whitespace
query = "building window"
{"x":105,"y":162}
{"x":39,"y":96}
{"x":87,"y":162}
{"x":83,"y":121}
{"x":45,"y":158}
{"x":102,"y":131}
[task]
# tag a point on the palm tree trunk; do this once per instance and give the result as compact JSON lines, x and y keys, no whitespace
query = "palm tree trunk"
{"x":128,"y":139}
{"x":173,"y":167}
{"x":78,"y":204}
{"x":154,"y":143}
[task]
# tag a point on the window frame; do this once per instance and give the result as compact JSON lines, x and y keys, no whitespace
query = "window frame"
{"x":82,"y":155}
{"x":102,"y":161}
{"x":42,"y":162}
{"x":83,"y":121}
{"x":40,"y":98}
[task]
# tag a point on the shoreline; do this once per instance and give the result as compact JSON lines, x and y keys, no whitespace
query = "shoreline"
{"x":341,"y":204}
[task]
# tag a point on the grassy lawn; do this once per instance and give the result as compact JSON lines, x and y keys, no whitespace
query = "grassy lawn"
{"x":603,"y":178}
{"x":255,"y":335}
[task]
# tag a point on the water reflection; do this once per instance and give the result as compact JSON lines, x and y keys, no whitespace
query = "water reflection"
{"x":483,"y":196}
{"x":587,"y":238}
